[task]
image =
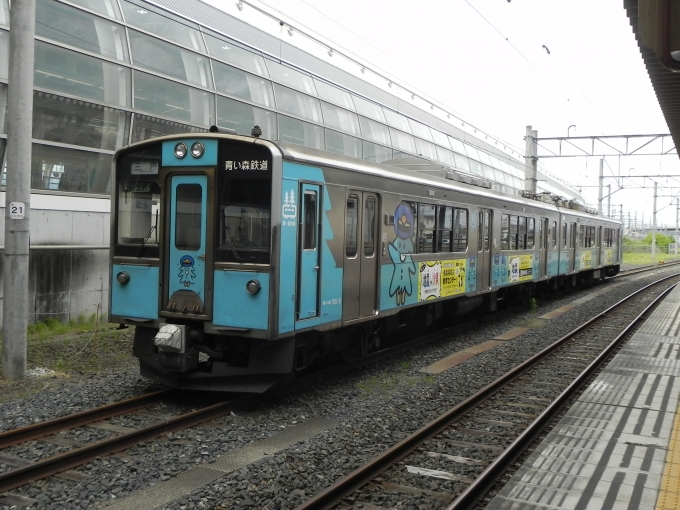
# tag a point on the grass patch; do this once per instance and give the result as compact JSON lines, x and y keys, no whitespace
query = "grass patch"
{"x":643,"y":259}
{"x":77,"y":348}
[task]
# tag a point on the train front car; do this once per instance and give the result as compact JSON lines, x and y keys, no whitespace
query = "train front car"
{"x":190,"y":263}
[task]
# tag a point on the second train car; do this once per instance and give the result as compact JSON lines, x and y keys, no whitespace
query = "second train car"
{"x":241,"y":260}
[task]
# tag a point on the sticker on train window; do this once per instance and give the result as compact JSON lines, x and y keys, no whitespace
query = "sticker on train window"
{"x":144,"y":168}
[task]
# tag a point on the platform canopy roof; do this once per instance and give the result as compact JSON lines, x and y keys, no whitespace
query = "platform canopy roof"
{"x":656,"y":25}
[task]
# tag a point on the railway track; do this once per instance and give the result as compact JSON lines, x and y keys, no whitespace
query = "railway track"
{"x":82,"y":454}
{"x":467,"y":449}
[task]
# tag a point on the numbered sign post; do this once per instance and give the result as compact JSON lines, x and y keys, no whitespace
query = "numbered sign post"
{"x":17,"y":210}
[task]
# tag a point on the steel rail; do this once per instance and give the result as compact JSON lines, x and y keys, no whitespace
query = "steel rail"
{"x":78,"y":456}
{"x":45,"y":428}
{"x":497,"y":468}
{"x":334,"y":494}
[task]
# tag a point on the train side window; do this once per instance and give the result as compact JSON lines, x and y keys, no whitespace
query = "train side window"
{"x":564,"y":234}
{"x":309,"y":234}
{"x":460,"y":228}
{"x":426,"y":224}
{"x":505,"y":232}
{"x":444,"y":228}
{"x":513,"y":232}
{"x":554,"y":235}
{"x":487,"y":219}
{"x":480,"y":230}
{"x":351,"y":219}
{"x":582,"y":238}
{"x":531,"y":233}
{"x":369,"y":227}
{"x":522,"y":233}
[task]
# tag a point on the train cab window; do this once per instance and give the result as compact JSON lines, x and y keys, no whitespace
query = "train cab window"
{"x":460,"y":229}
{"x":310,"y":223}
{"x":369,"y":227}
{"x":444,"y":228}
{"x":351,"y":219}
{"x":138,"y":200}
{"x":531,"y":233}
{"x":426,"y":224}
{"x":188,"y":217}
{"x":522,"y":233}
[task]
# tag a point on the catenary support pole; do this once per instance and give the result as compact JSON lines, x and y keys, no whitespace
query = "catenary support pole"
{"x":599,"y":189}
{"x":654,"y":225}
{"x":17,"y":204}
{"x":531,"y":161}
{"x":609,"y":200}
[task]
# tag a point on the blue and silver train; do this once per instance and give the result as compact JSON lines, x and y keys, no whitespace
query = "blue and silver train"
{"x":241,"y":260}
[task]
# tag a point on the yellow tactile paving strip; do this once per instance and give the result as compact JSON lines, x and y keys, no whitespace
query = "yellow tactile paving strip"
{"x":669,"y":490}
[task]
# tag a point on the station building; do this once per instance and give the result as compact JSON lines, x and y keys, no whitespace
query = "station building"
{"x":113,"y":72}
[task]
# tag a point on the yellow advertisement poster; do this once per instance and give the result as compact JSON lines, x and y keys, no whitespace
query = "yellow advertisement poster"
{"x":520,"y":268}
{"x":441,"y":278}
{"x":608,"y":257}
{"x":585,"y":259}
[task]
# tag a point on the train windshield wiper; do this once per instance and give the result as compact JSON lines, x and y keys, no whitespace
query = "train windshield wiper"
{"x":148,"y":236}
{"x":232,"y":243}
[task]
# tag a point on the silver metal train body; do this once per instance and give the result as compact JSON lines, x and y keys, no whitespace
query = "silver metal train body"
{"x":241,"y":260}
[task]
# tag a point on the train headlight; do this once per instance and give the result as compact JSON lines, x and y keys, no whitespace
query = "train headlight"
{"x":123,"y":277}
{"x":197,"y":150}
{"x":253,"y":286}
{"x":180,"y":150}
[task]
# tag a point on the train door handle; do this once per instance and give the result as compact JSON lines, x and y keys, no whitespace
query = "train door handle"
{"x":202,"y":257}
{"x":316,"y":268}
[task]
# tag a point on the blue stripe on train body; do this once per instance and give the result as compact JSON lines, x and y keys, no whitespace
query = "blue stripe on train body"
{"x":331,"y":273}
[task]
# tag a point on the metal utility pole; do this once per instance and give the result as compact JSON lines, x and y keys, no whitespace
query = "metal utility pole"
{"x":531,"y":161}
{"x":621,"y":212}
{"x":599,"y":189}
{"x":609,"y":200}
{"x":654,"y":225}
{"x":18,"y":194}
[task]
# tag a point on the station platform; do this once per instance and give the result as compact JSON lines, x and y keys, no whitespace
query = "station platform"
{"x":618,"y":447}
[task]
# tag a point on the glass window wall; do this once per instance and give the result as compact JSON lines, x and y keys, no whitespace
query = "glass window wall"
{"x":169,"y":99}
{"x":376,"y":153}
{"x":250,"y":87}
{"x":445,"y":157}
{"x":402,"y":141}
{"x":234,"y":54}
{"x":171,"y":60}
{"x":440,"y":138}
{"x":369,"y":109}
{"x":340,"y":143}
{"x":162,"y":23}
{"x":301,"y":133}
{"x":489,"y":172}
{"x":72,"y":73}
{"x":334,"y":95}
{"x":426,"y":149}
{"x":476,"y":168}
{"x":375,"y":131}
{"x":242,"y":117}
{"x":396,"y":120}
{"x":62,"y":169}
{"x":295,"y":103}
{"x":457,"y":145}
{"x":421,"y":130}
{"x":340,"y":119}
{"x":106,"y":7}
{"x":79,"y":29}
{"x":291,"y":77}
{"x":4,"y":54}
{"x":75,"y":122}
{"x":4,"y":12}
{"x":472,"y":152}
{"x":462,"y":162}
{"x":145,"y":127}
{"x":484,"y":157}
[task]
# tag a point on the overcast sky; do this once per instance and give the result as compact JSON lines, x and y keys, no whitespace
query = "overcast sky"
{"x":456,"y":52}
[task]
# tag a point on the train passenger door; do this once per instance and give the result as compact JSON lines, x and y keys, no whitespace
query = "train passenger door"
{"x":543,"y":226}
{"x":185,"y":285}
{"x":484,"y":249}
{"x":360,"y":280}
{"x":572,"y":247}
{"x":308,"y":269}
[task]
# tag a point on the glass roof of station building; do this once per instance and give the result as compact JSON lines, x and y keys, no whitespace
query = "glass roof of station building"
{"x":113,"y":72}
